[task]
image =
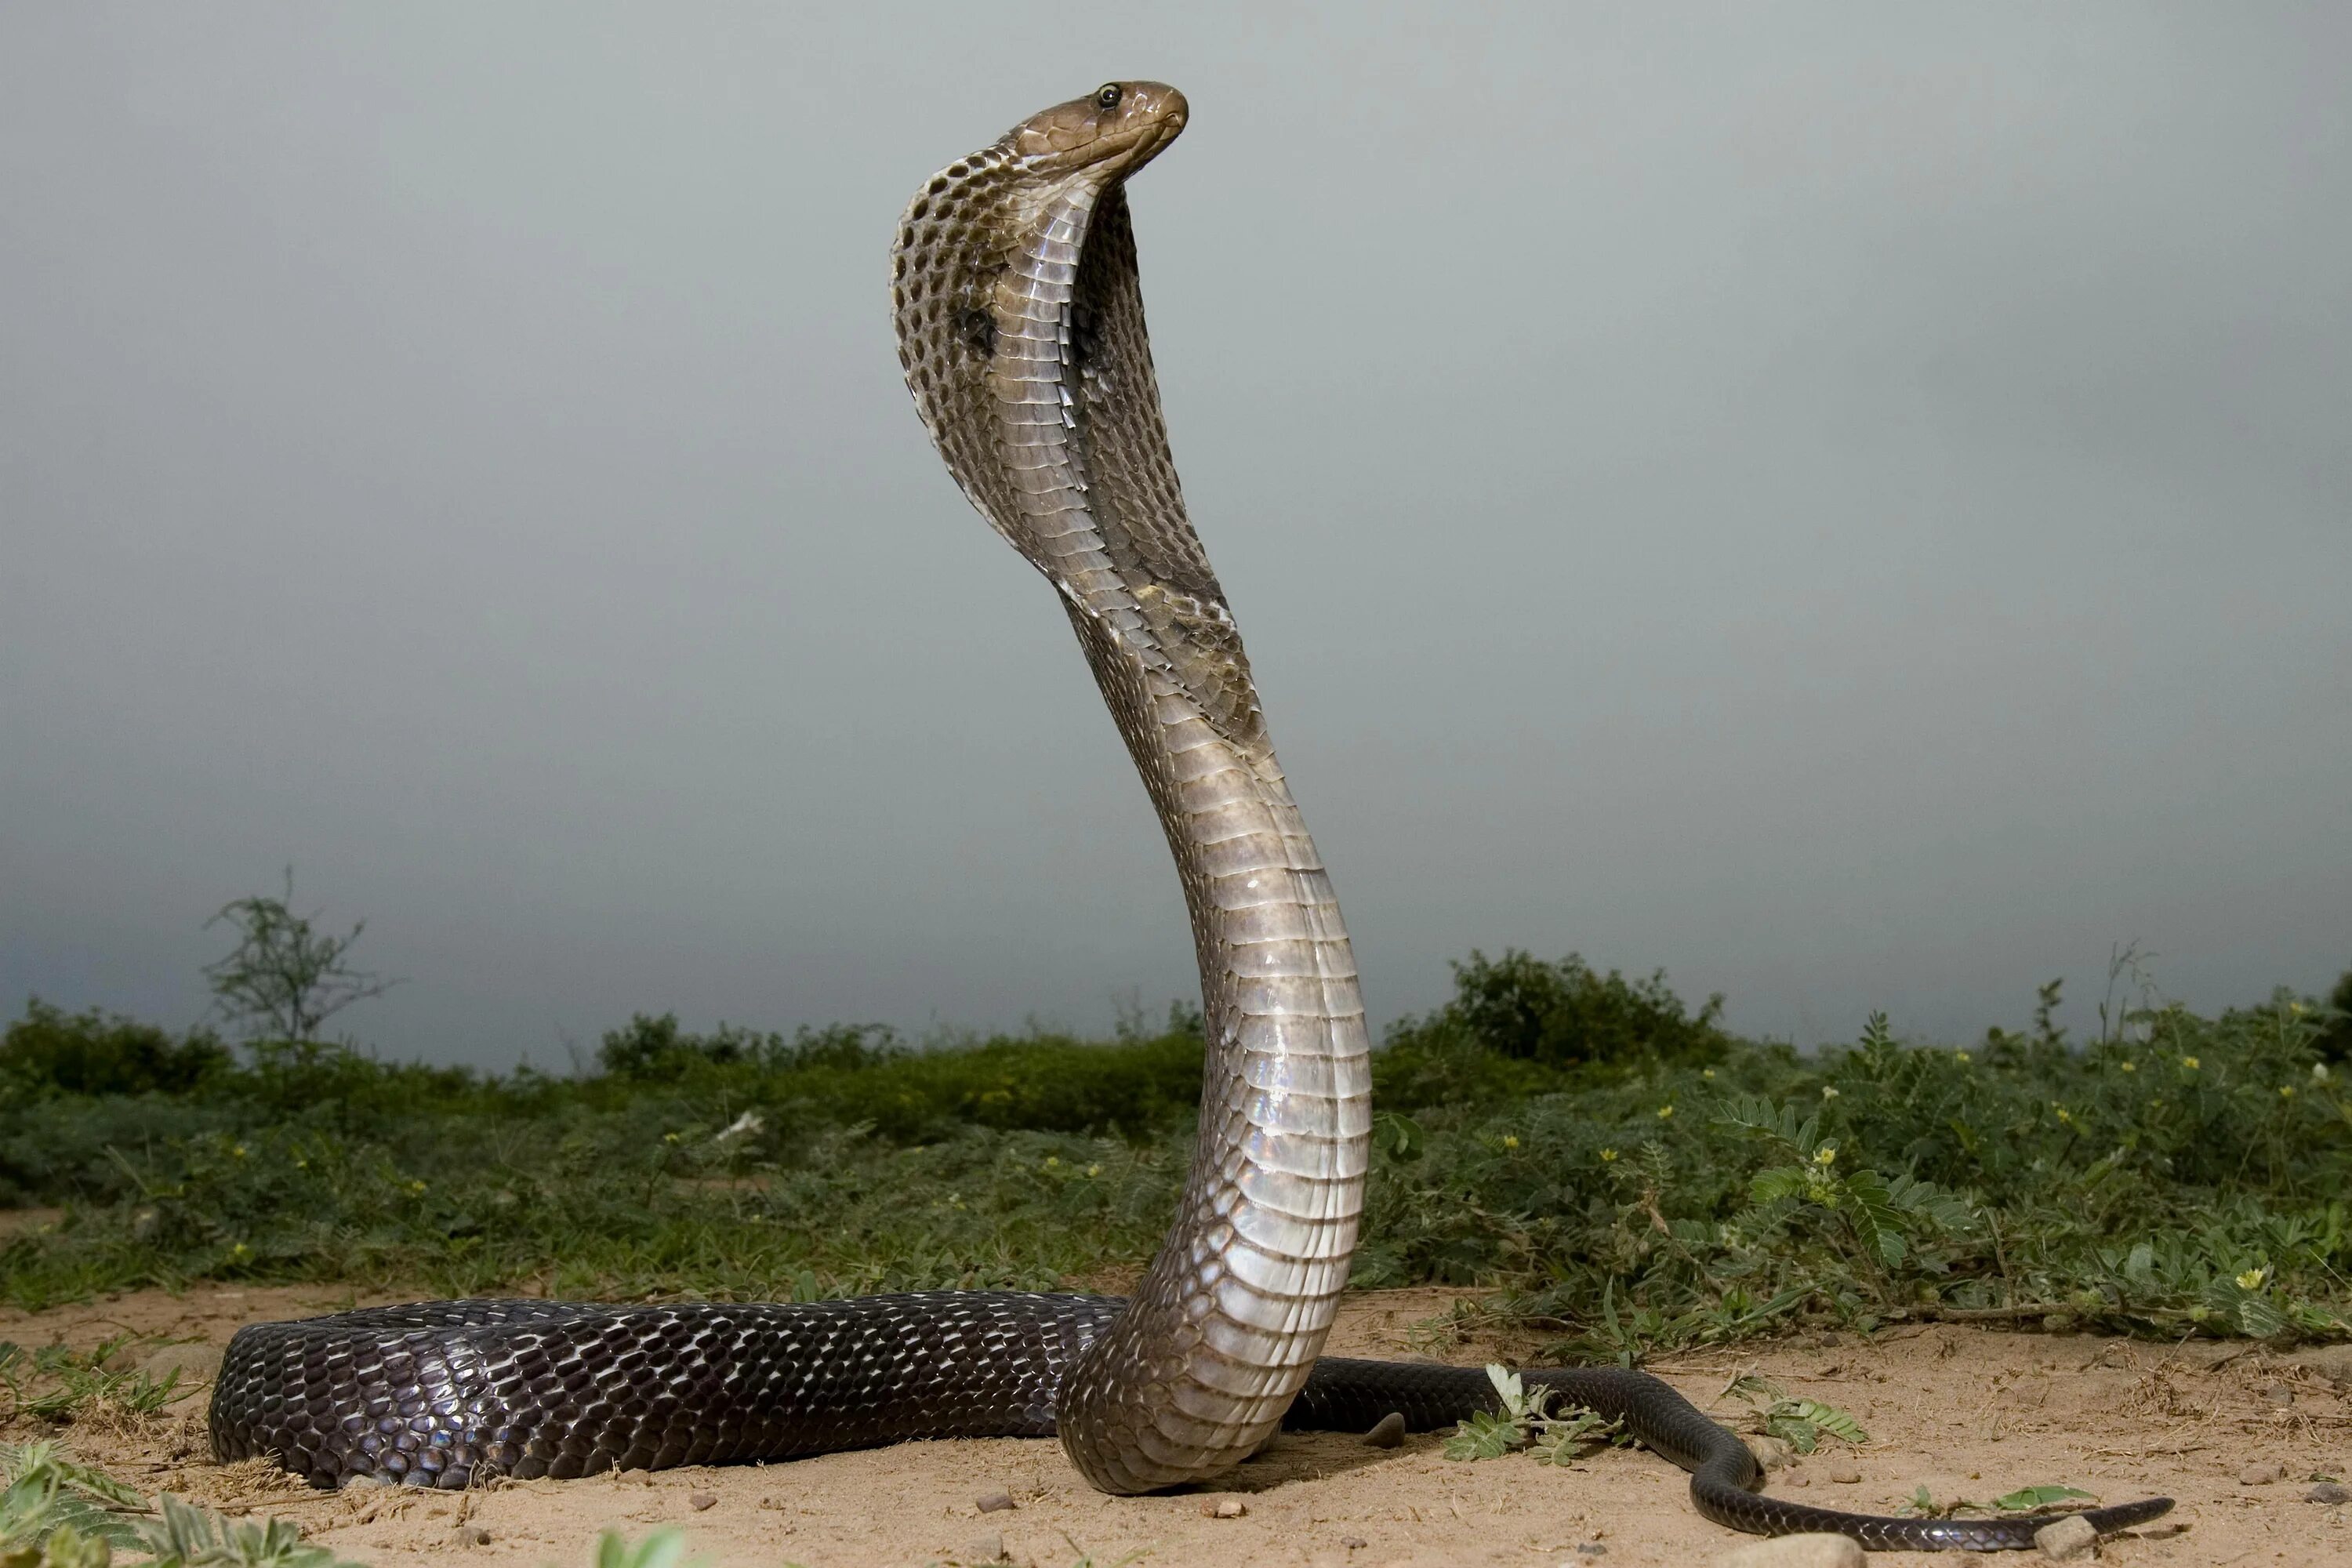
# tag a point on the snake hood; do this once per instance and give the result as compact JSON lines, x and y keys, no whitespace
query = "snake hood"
{"x":1020,"y":322}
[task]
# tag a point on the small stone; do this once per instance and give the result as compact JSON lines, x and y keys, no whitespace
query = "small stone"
{"x":2067,"y":1539}
{"x":2328,"y":1491}
{"x":471,"y":1535}
{"x":1222,"y":1507}
{"x":637,"y":1477}
{"x":1354,"y":1542}
{"x":985,"y":1549}
{"x":2261,"y":1475}
{"x":1796,"y":1551}
{"x":1772,"y":1453}
{"x":1591,"y":1549}
{"x":996,"y":1502}
{"x":2278,"y":1394}
{"x":360,"y":1483}
{"x":195,"y":1363}
{"x":698,"y":1501}
{"x":1845,"y":1475}
{"x":1388,"y":1432}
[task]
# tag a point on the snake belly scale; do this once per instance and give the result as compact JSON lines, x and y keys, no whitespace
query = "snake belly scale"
{"x":1020,"y":323}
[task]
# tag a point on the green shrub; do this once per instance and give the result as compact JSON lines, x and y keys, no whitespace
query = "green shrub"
{"x":2336,"y":1033}
{"x":50,"y":1051}
{"x":1565,"y":1015}
{"x":2178,"y":1175}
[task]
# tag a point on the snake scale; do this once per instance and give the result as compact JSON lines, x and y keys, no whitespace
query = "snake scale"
{"x":1020,"y":330}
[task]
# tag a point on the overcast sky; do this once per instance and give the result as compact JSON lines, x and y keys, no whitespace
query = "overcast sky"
{"x":1851,"y":504}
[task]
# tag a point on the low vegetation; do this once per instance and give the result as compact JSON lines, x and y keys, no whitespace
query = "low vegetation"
{"x":1622,"y":1171}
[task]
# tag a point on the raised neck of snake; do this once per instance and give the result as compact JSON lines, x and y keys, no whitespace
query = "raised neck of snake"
{"x":1020,"y":324}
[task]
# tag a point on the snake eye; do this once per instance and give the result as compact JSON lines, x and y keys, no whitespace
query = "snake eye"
{"x":1107,"y":95}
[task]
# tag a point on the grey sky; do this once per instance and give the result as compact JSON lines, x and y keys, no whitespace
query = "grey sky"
{"x":1849,"y":503}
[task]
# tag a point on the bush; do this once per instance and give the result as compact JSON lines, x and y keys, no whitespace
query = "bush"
{"x":1564,"y":1014}
{"x":2336,"y":1035}
{"x":654,"y":1048}
{"x":49,"y":1051}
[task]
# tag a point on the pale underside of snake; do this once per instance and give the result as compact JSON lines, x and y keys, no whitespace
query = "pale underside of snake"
{"x":1021,"y":329}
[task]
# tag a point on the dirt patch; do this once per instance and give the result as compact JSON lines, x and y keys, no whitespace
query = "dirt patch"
{"x":1965,"y":1413}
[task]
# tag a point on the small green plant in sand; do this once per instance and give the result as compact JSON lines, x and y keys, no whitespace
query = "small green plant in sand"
{"x":57,"y":1384}
{"x":1523,"y":1420}
{"x":58,"y":1512}
{"x":1799,"y":1423}
{"x":2051,"y":1499}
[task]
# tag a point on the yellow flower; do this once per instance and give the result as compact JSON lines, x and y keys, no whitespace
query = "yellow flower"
{"x":2295,"y":1007}
{"x":1706,"y":1073}
{"x":1093,"y":1169}
{"x":1607,"y":1155}
{"x":2251,"y":1280}
{"x":1827,"y":1092}
{"x":2065,"y":1117}
{"x":2188,"y":1062}
{"x":2286,"y":1091}
{"x":1510,"y":1140}
{"x":416,"y":1186}
{"x":1052,"y":1161}
{"x":670,"y":1137}
{"x":1825,"y":1155}
{"x":239,"y":1250}
{"x":1961,"y":1057}
{"x":236,"y":1150}
{"x":1664,"y":1112}
{"x":2129,"y":1065}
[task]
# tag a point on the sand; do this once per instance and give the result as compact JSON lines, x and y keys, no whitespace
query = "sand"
{"x":1964,"y":1412}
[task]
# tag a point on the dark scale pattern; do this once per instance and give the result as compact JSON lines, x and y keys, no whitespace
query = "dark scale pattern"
{"x":444,"y":1394}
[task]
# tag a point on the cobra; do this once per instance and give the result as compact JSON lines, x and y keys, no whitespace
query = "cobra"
{"x":1020,"y":323}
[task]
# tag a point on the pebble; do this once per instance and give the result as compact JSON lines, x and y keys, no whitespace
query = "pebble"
{"x":471,"y":1535}
{"x":698,"y":1501}
{"x":985,"y":1549}
{"x":2067,"y":1539}
{"x":1388,"y":1432}
{"x":1845,"y":1475}
{"x":2328,"y":1491}
{"x":1354,"y":1542}
{"x":637,"y":1477}
{"x":1222,"y":1507}
{"x":195,"y":1363}
{"x":1772,"y":1453}
{"x":2261,"y":1475}
{"x":1591,"y":1549}
{"x":2278,"y":1394}
{"x":996,"y":1502}
{"x":1796,"y":1551}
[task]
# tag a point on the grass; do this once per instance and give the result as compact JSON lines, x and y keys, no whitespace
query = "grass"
{"x":1614,"y":1168}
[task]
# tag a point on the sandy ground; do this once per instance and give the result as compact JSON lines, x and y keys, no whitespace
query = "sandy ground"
{"x":1965,"y":1413}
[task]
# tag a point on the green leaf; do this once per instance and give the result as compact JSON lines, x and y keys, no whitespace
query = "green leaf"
{"x":2025,"y":1500}
{"x":1485,"y":1436}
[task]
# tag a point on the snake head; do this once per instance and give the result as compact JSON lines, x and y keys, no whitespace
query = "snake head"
{"x":1117,"y":128}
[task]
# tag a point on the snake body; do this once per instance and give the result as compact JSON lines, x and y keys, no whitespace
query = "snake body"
{"x":1020,"y":330}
